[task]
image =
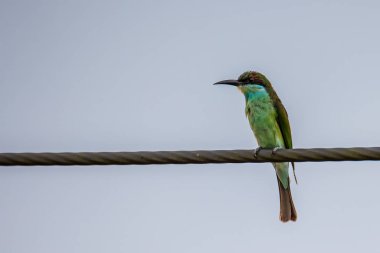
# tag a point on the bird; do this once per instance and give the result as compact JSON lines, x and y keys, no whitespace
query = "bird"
{"x":269,"y":122}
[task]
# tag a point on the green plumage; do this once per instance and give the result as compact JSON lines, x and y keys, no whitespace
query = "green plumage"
{"x":282,"y":116}
{"x":269,"y":122}
{"x":267,"y":117}
{"x":262,"y":116}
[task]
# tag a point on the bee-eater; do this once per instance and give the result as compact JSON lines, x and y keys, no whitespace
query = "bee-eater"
{"x":270,"y":124}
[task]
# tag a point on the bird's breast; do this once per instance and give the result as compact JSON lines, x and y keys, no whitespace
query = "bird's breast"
{"x":260,"y":108}
{"x":263,"y":121}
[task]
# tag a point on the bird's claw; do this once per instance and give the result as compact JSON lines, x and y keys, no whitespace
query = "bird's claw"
{"x":256,"y":152}
{"x":274,"y":151}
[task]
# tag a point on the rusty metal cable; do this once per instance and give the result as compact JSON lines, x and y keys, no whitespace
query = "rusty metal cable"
{"x":190,"y":157}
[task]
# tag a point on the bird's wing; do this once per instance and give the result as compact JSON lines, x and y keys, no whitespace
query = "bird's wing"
{"x":283,"y":122}
{"x":282,"y":116}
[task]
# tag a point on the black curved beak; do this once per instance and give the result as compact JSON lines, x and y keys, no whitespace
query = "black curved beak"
{"x":229,"y":82}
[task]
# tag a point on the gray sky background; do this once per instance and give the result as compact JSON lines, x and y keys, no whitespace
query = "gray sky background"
{"x":137,"y":75}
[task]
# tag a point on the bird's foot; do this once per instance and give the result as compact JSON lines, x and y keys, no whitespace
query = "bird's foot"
{"x":274,"y":151}
{"x":256,"y":152}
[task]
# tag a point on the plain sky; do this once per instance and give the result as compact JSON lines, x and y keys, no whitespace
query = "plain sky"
{"x":136,"y":75}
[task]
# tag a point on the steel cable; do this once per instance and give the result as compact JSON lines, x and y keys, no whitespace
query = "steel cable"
{"x":190,"y":157}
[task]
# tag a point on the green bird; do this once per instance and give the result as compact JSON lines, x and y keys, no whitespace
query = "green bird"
{"x":270,"y":124}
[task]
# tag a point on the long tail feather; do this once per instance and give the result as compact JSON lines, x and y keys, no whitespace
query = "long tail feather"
{"x":287,"y":208}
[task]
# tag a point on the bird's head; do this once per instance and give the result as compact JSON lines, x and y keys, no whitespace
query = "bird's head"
{"x":248,"y":81}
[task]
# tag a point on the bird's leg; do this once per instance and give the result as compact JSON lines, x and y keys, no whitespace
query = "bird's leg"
{"x":274,"y":151}
{"x":256,"y":151}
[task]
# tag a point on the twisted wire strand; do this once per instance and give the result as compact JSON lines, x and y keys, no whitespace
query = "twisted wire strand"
{"x":190,"y":157}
